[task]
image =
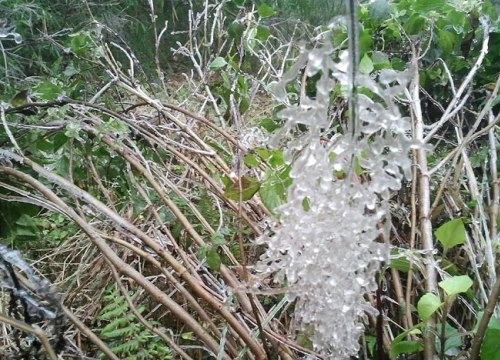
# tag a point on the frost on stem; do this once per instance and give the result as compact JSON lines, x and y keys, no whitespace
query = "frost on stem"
{"x":324,"y":247}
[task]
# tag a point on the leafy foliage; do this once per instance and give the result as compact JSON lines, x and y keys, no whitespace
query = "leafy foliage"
{"x":109,"y":157}
{"x":128,"y":338}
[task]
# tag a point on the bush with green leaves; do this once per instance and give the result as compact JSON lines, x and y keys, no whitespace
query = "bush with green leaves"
{"x":108,"y":163}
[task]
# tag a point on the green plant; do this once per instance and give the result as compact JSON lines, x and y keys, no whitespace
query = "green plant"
{"x":125,"y":335}
{"x":105,"y":159}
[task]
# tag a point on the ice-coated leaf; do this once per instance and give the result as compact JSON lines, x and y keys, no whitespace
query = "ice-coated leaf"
{"x":456,"y":285}
{"x":366,"y":65}
{"x":427,"y":305}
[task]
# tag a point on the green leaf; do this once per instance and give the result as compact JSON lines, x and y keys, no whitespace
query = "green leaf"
{"x":371,"y":341}
{"x":456,"y":285}
{"x":451,"y":233}
{"x":249,"y":186}
{"x":398,"y":64}
{"x":251,"y":160}
{"x":27,"y":226}
{"x":80,"y":42}
{"x":244,"y":105}
{"x":457,"y":20}
{"x":400,"y":264}
{"x":218,"y":239}
{"x":379,"y":10}
{"x":263,"y":153}
{"x":47,"y":91}
{"x":59,"y":140}
{"x":213,"y":259}
{"x":423,"y":6}
{"x":72,"y":130}
{"x":446,"y":41}
{"x":119,"y":333}
{"x":366,"y":65}
{"x":263,"y":33}
{"x":427,"y":305}
{"x":20,"y":98}
{"x":187,"y":335}
{"x":405,"y":347}
{"x":306,"y":204}
{"x":218,"y":146}
{"x":269,"y":124}
{"x":453,"y":340}
{"x":242,"y":85}
{"x":25,"y":232}
{"x":70,"y":70}
{"x":365,"y":41}
{"x":273,"y":190}
{"x":399,"y":261}
{"x":380,"y":60}
{"x":218,"y":63}
{"x":397,"y":349}
{"x":201,"y":252}
{"x":276,"y":159}
{"x":358,"y":170}
{"x":235,"y":30}
{"x":117,"y":323}
{"x":26,"y":220}
{"x":113,"y":126}
{"x":250,"y":37}
{"x":415,"y":24}
{"x":392,"y":31}
{"x":265,"y":10}
{"x":490,"y":347}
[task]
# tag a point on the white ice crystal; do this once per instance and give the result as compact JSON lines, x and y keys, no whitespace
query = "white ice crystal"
{"x":326,"y":251}
{"x":253,"y":137}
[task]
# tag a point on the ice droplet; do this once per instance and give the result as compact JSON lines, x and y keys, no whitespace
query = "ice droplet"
{"x":18,"y":38}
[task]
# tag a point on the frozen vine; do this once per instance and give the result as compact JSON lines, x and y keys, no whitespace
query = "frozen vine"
{"x":324,"y":247}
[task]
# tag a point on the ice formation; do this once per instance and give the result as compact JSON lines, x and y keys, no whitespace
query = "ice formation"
{"x":324,"y":247}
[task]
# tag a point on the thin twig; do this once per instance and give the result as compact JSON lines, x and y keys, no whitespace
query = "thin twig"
{"x":424,"y":202}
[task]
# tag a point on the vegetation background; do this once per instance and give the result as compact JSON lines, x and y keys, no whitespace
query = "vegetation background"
{"x":136,"y":175}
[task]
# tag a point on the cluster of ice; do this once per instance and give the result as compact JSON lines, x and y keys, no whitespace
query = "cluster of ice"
{"x":324,"y":248}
